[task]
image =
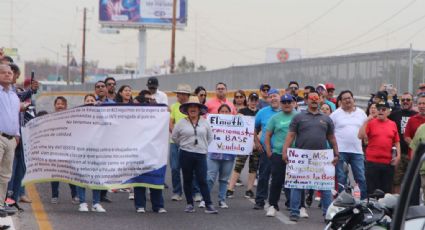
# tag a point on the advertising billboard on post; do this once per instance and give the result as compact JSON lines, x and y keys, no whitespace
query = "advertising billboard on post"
{"x":142,"y":13}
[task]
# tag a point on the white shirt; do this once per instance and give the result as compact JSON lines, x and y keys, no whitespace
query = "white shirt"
{"x":347,"y":127}
{"x":160,"y":97}
{"x":9,"y":112}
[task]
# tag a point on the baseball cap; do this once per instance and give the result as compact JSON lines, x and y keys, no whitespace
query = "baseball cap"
{"x":320,"y":86}
{"x":286,"y":97}
{"x":383,"y":104}
{"x":329,"y":85}
{"x":381,"y":95}
{"x":262,"y":86}
{"x":273,"y":91}
{"x":153,"y":81}
{"x":253,"y":96}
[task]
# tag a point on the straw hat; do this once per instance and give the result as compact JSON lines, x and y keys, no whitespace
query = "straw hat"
{"x":193,"y":100}
{"x":183,"y":88}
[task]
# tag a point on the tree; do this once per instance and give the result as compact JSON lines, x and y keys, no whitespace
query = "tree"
{"x":185,"y":66}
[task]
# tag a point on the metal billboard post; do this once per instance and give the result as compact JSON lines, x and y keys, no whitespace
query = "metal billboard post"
{"x":410,"y":82}
{"x":142,"y":51}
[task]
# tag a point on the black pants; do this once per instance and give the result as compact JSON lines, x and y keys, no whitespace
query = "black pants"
{"x":379,"y":176}
{"x":278,"y":171}
{"x":194,"y":163}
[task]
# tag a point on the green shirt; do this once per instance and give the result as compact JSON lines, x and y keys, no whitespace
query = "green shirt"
{"x":416,"y":141}
{"x":278,"y":125}
{"x":175,"y":113}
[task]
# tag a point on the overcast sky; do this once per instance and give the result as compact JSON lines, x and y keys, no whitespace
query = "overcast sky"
{"x":220,"y":33}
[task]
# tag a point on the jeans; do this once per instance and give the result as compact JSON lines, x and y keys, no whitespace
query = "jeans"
{"x":222,"y":169}
{"x":263,"y":179}
{"x":356,"y":162}
{"x":194,"y":163}
{"x":295,"y":200}
{"x":156,"y":198}
{"x":15,"y":184}
{"x":175,"y":171}
{"x":278,"y":171}
{"x":82,"y":195}
{"x":55,"y":189}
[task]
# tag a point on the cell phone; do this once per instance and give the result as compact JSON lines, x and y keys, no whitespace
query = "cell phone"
{"x":32,"y":76}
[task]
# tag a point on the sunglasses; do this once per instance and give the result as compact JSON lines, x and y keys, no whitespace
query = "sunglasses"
{"x":239,"y":96}
{"x":293,"y":88}
{"x":111,"y":84}
{"x":406,"y":99}
{"x":100,"y":86}
{"x":265,"y":90}
{"x":313,"y":97}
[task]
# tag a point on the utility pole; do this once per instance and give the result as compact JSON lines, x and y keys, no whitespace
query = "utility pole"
{"x":173,"y":38}
{"x":410,"y":80}
{"x":67,"y":63}
{"x":83,"y":58}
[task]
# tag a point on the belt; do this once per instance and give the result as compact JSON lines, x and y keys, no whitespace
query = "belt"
{"x":7,"y":136}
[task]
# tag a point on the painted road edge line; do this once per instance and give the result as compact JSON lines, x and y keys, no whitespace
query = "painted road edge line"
{"x":38,"y":208}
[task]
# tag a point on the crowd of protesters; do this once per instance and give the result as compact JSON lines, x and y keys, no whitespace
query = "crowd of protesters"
{"x":376,"y":143}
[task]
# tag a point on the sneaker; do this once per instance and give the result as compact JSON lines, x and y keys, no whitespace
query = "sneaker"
{"x":317,"y":198}
{"x":197,"y":198}
{"x":230,"y":194}
{"x":83,"y":207}
{"x":201,"y":204}
{"x":25,"y":199}
{"x":222,"y":204}
{"x":271,"y":211}
{"x":303,"y":213}
{"x":75,"y":200}
{"x":54,"y":200}
{"x":162,"y":210}
{"x":239,"y":183}
{"x":140,"y":210}
{"x":9,"y":201}
{"x":131,"y":196}
{"x":249,"y":194}
{"x":293,"y":218}
{"x":210,"y":209}
{"x":258,"y":207}
{"x":176,"y":197}
{"x":97,"y":208}
{"x":189,"y":208}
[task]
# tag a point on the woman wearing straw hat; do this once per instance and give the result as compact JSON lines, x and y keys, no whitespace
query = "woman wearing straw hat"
{"x":193,"y":134}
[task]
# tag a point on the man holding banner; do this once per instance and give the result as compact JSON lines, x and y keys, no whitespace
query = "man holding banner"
{"x":311,"y":131}
{"x":277,"y":129}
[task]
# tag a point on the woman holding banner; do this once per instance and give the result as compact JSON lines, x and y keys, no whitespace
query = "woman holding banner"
{"x":89,"y":99}
{"x":220,"y":165}
{"x":193,"y":134}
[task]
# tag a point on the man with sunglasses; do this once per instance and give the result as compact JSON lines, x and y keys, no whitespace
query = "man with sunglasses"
{"x":110,"y":87}
{"x":412,"y":125}
{"x":220,"y":98}
{"x":382,"y":135}
{"x":277,"y":129}
{"x":401,"y":117}
{"x":310,"y":130}
{"x":293,"y":86}
{"x":100,"y":92}
{"x":264,"y":93}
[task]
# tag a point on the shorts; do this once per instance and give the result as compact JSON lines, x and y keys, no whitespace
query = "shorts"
{"x":401,"y":170}
{"x":253,"y":162}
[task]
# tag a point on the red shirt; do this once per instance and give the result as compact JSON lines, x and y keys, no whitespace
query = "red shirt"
{"x":215,"y":103}
{"x":411,"y":127}
{"x":381,"y":137}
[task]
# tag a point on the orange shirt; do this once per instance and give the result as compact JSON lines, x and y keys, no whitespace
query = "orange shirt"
{"x":215,"y":103}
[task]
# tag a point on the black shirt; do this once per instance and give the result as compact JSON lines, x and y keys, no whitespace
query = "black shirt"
{"x":400,"y":117}
{"x":247,"y":112}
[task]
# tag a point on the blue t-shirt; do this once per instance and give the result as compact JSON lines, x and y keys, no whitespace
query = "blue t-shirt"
{"x":261,"y":119}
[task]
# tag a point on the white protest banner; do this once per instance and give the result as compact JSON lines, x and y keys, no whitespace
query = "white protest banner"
{"x":232,"y":134}
{"x":99,"y":147}
{"x":310,"y":169}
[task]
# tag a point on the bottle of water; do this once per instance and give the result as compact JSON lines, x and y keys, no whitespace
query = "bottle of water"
{"x":356,"y":191}
{"x":393,"y":154}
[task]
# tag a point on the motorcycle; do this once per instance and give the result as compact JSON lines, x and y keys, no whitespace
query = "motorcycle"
{"x":374,"y":213}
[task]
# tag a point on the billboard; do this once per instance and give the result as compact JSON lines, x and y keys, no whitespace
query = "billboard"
{"x":142,"y":13}
{"x":282,"y":55}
